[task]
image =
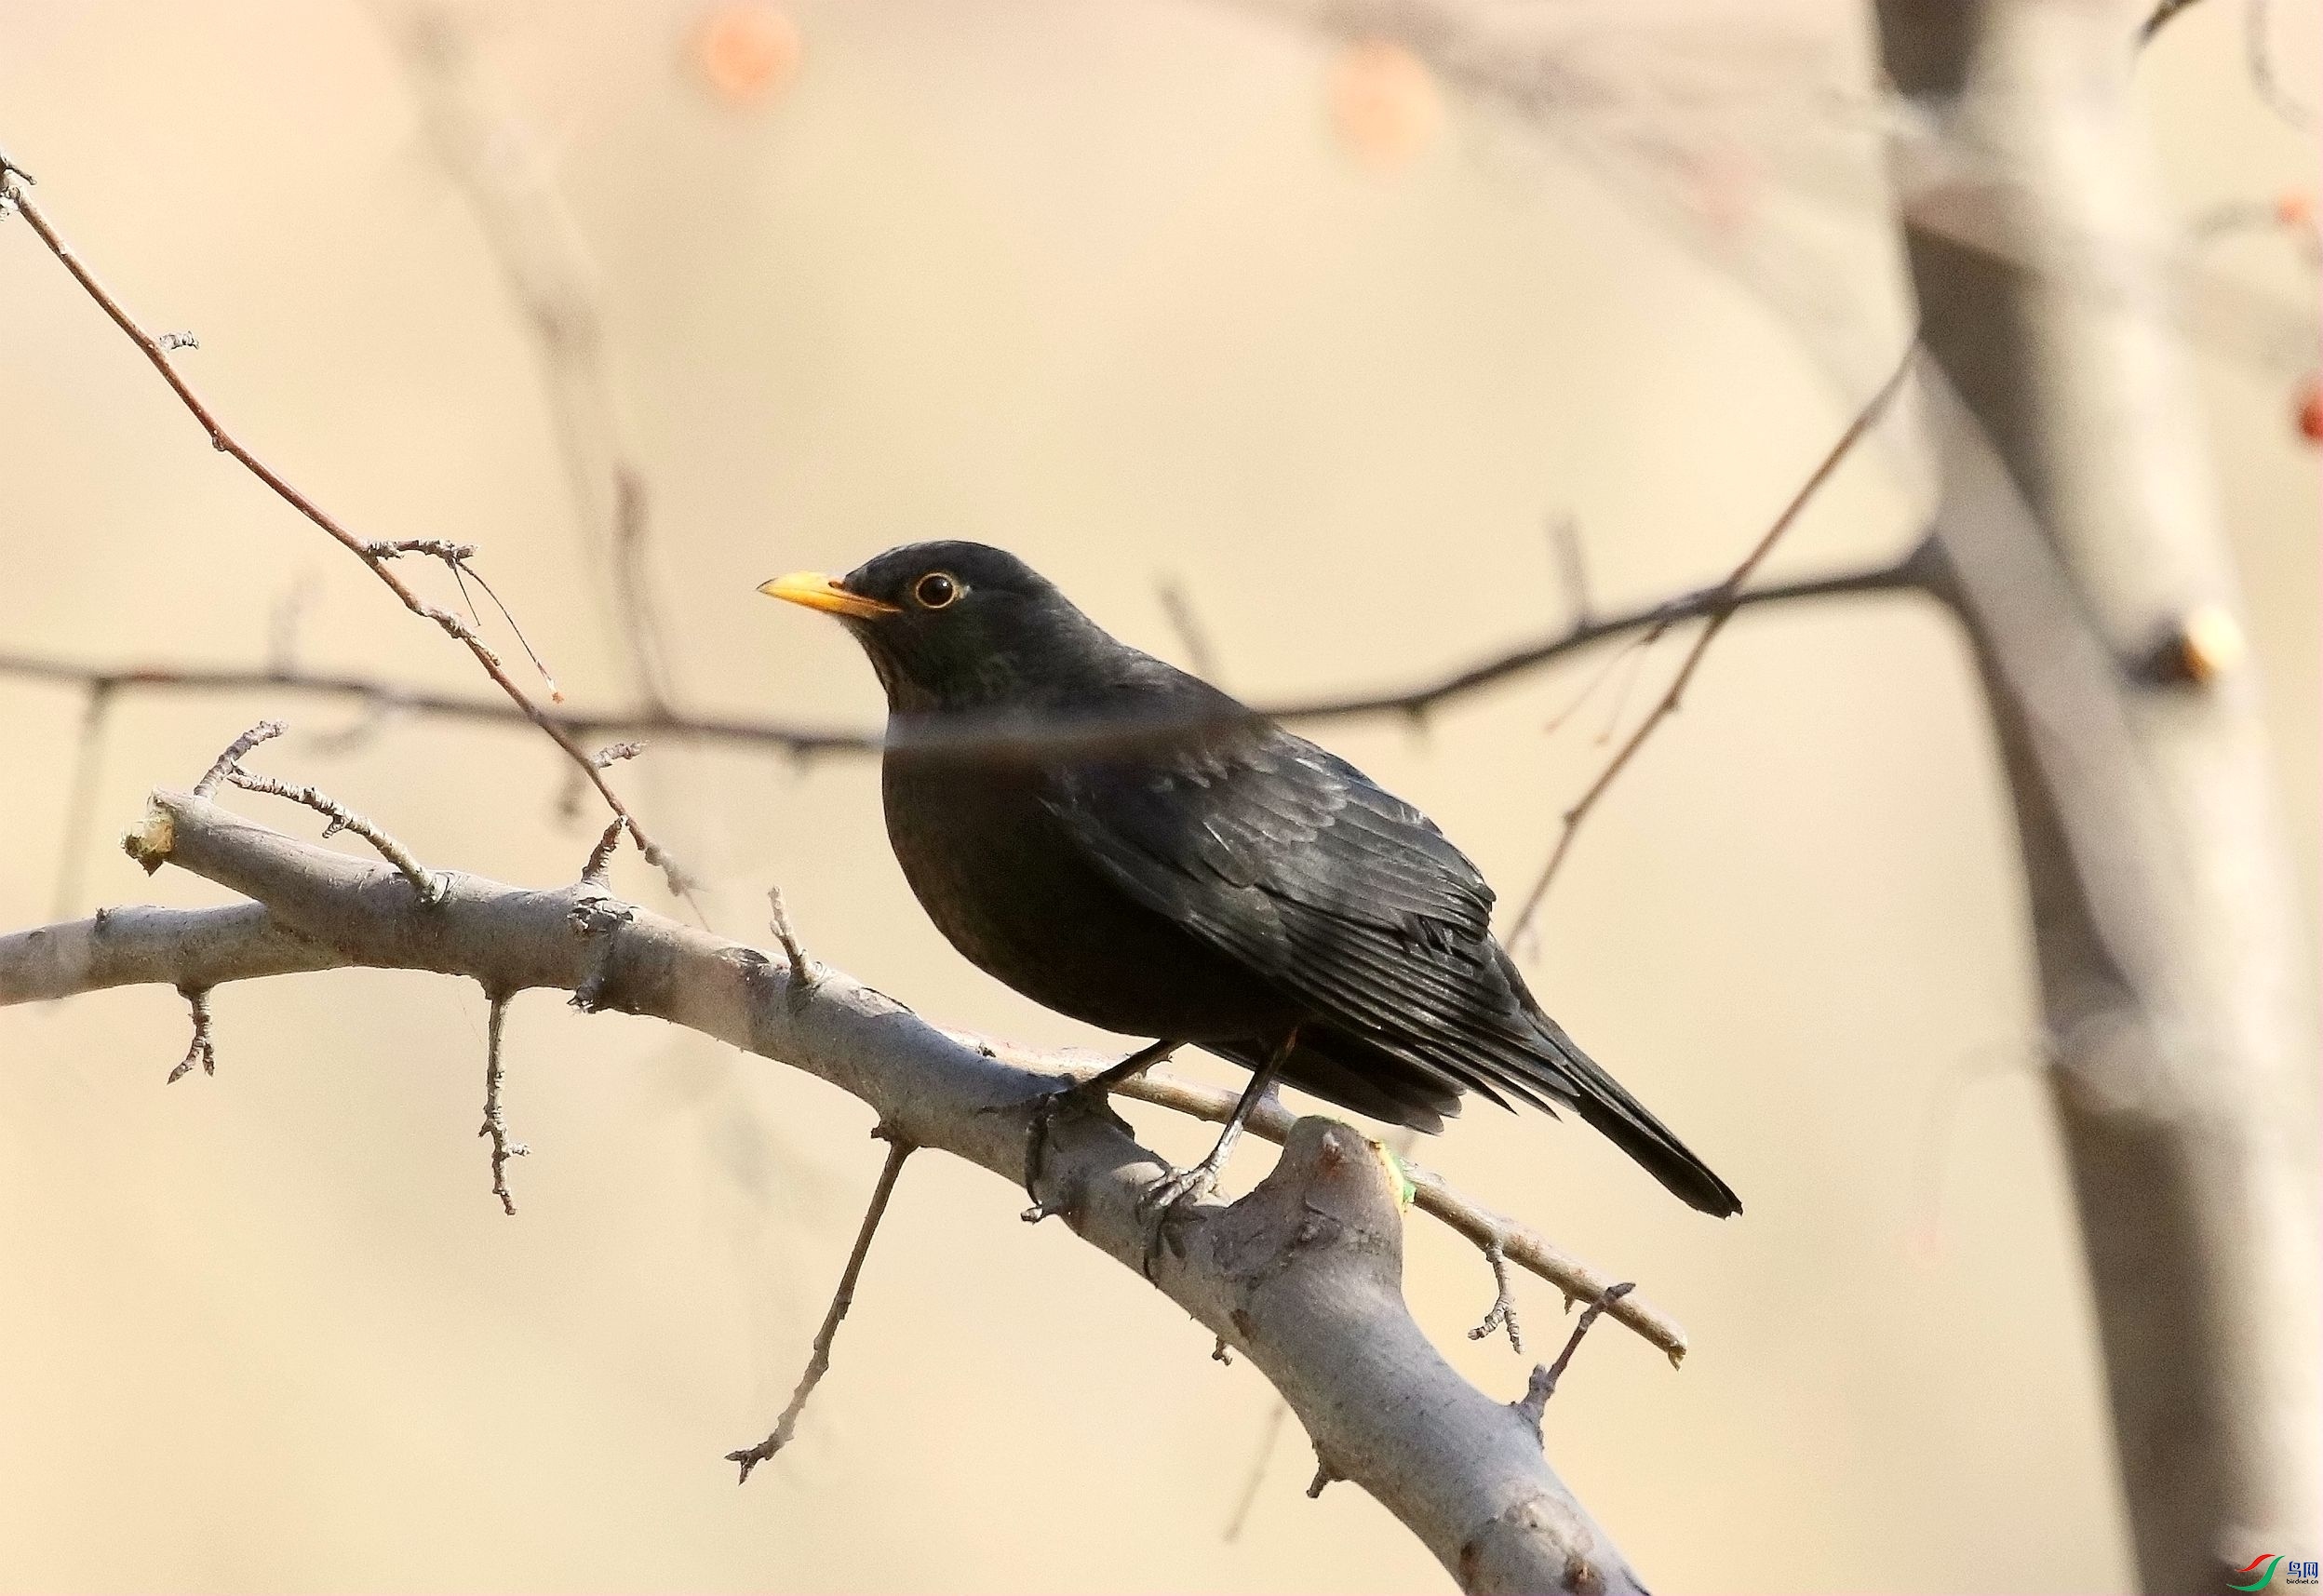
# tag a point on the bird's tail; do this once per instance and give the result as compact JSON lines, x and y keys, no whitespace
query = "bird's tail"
{"x":1600,"y":1100}
{"x":1571,"y":1077}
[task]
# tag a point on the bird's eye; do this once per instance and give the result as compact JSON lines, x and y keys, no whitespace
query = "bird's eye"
{"x":935,"y":590}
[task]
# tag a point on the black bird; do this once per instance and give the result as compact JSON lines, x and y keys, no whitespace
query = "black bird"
{"x":1124,"y":843}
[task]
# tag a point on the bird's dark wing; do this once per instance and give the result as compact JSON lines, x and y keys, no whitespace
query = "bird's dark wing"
{"x":1344,"y":896}
{"x":1352,"y":904}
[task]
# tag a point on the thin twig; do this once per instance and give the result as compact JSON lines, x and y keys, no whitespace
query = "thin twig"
{"x":200,"y":1050}
{"x":1257,"y":1470}
{"x":498,"y":160}
{"x":1192,"y":636}
{"x":1543,"y":1385}
{"x":1723,"y":600}
{"x":229,"y":761}
{"x":2160,"y":17}
{"x":600,"y":859}
{"x":459,"y":560}
{"x":1564,"y":538}
{"x":495,"y":1127}
{"x":284,"y":621}
{"x":430,"y":888}
{"x":811,"y":743}
{"x":380,"y":566}
{"x":80,"y":804}
{"x":2259,"y":55}
{"x":802,"y":975}
{"x":819,"y":1362}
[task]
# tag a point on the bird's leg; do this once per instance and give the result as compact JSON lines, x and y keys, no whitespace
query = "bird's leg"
{"x":1198,"y":1181}
{"x":1080,"y":1096}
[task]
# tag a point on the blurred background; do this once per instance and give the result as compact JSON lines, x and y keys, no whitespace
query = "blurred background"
{"x":1163,"y":295}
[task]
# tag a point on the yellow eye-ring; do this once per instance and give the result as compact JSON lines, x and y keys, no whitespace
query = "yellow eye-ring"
{"x":935,"y":590}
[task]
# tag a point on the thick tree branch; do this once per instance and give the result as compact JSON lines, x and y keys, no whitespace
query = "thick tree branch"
{"x":1519,"y":1244}
{"x":2080,"y":531}
{"x":1302,"y":1276}
{"x":143,"y":946}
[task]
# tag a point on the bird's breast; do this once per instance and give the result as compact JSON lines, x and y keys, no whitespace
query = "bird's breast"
{"x":1008,"y":887}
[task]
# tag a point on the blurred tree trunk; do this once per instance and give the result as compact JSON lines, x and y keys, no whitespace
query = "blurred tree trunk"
{"x":2173,"y":976}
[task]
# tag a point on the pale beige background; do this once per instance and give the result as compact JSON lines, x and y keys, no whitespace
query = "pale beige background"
{"x":1092,"y":280}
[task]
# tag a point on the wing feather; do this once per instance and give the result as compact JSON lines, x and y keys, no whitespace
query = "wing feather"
{"x":1346,"y":898}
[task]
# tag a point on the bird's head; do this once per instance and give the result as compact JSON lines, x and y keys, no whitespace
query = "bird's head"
{"x":958,"y":626}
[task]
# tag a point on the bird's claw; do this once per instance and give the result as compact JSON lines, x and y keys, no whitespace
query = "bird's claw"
{"x":1179,"y":1185}
{"x":1160,"y":1199}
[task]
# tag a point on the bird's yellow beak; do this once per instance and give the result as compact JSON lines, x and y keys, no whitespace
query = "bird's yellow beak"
{"x":817,"y":591}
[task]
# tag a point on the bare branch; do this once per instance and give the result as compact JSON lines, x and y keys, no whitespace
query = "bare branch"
{"x":229,"y":761}
{"x":1430,"y":1192}
{"x":143,"y":946}
{"x":496,"y":160}
{"x":2079,"y":519}
{"x":1302,"y":1276}
{"x":2160,"y":17}
{"x":1266,"y":1439}
{"x":363,"y":549}
{"x":1543,"y":1385}
{"x":1192,"y":636}
{"x":2258,"y":55}
{"x":811,"y":743}
{"x":2258,"y":52}
{"x":1564,"y":538}
{"x":80,"y":803}
{"x":341,"y":818}
{"x":1721,"y":608}
{"x":595,"y":870}
{"x":495,"y":1127}
{"x":457,"y":559}
{"x":819,"y":1360}
{"x":802,"y":972}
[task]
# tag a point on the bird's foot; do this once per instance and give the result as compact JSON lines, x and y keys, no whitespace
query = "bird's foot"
{"x":1160,"y":1199}
{"x":1091,"y":1096}
{"x":1179,"y":1185}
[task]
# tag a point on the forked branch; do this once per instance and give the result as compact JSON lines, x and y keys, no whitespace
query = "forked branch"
{"x":1301,"y":1276}
{"x":377,"y":557}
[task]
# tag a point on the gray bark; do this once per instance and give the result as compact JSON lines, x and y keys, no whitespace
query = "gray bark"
{"x":2083,"y":540}
{"x":1303,"y":1276}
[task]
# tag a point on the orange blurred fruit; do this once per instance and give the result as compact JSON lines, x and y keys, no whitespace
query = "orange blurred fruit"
{"x":2310,"y":409}
{"x":746,"y":51}
{"x":1385,"y":105}
{"x":2294,"y":207}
